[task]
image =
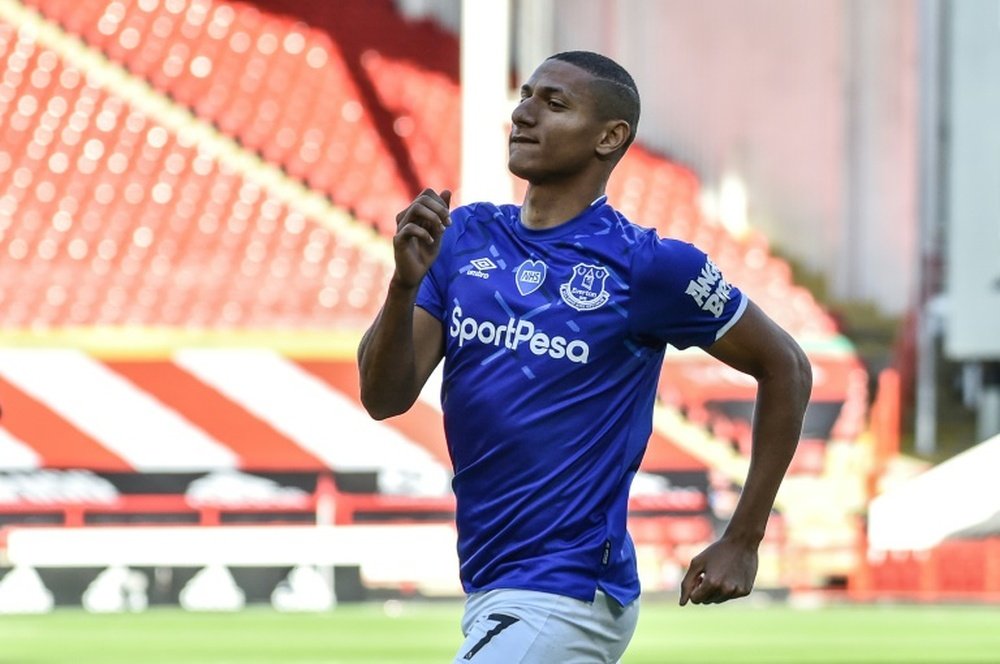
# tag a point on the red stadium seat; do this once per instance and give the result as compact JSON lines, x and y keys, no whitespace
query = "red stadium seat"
{"x":118,"y":224}
{"x":259,"y":77}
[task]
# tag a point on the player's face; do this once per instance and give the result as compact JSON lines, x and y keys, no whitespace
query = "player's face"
{"x":556,"y":126}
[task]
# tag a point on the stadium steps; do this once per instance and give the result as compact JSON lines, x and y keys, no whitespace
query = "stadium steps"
{"x":130,"y":228}
{"x":198,"y":55}
{"x":278,"y":87}
{"x":136,"y":220}
{"x":427,"y":114}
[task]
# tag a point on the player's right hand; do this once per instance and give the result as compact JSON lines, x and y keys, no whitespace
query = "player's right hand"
{"x":418,"y":236}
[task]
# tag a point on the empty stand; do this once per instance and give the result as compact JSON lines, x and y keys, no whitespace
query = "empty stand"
{"x":278,"y":86}
{"x":284,"y":89}
{"x":959,"y":569}
{"x":108,"y":219}
{"x":427,"y":110}
{"x":169,"y":237}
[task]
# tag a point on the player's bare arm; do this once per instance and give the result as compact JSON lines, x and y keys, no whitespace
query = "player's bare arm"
{"x":400,"y":350}
{"x":759,"y":347}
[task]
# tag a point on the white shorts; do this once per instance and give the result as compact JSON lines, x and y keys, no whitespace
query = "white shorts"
{"x":529,"y":627}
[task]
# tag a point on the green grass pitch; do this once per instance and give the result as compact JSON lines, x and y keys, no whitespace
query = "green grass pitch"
{"x":425,"y":633}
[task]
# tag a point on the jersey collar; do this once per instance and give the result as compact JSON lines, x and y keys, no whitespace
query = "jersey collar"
{"x":592,"y":211}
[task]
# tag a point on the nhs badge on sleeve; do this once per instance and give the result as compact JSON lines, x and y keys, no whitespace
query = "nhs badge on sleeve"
{"x":529,"y":276}
{"x":585,"y":289}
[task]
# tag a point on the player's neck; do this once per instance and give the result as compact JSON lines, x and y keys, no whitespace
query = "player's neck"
{"x":550,"y":205}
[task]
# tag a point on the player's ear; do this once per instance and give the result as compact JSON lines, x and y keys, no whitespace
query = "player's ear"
{"x":613,"y":138}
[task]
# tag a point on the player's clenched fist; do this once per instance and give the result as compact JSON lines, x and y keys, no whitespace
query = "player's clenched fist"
{"x":725,"y":570}
{"x":418,"y":236}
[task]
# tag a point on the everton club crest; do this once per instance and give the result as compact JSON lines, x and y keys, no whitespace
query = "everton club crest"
{"x":585,"y":289}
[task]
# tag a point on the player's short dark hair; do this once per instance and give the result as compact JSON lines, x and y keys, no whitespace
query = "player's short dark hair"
{"x":617,"y":94}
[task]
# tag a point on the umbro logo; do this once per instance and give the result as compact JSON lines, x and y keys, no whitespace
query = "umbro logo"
{"x":479,"y":267}
{"x":483,"y":264}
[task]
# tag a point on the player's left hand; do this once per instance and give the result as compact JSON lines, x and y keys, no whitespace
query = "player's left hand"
{"x":725,"y":570}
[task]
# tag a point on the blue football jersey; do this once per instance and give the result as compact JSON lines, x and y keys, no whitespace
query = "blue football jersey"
{"x":553,"y":345}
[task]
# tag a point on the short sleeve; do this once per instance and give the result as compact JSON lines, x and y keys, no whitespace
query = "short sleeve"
{"x":679,"y":296}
